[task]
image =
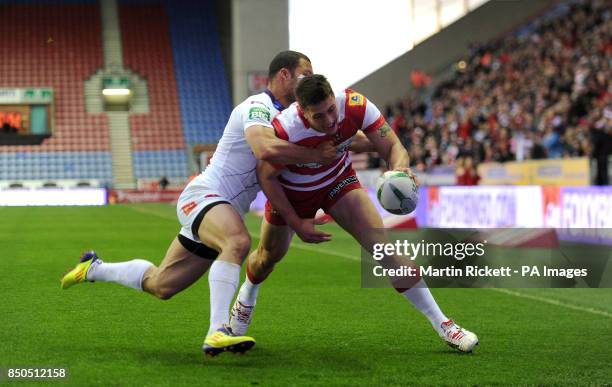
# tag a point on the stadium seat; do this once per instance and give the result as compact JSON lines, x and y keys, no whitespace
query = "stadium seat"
{"x":74,"y":27}
{"x":200,"y":73}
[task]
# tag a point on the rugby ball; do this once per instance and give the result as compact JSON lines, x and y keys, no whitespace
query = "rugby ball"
{"x":397,"y":192}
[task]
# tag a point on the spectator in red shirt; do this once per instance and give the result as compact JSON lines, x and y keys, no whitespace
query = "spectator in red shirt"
{"x":466,"y":172}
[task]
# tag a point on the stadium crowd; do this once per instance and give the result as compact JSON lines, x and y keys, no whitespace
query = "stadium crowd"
{"x":543,"y":92}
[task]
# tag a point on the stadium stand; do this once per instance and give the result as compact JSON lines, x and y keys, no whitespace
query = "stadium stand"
{"x":542,"y":91}
{"x":188,"y":62}
{"x":157,"y":137}
{"x":58,"y":46}
{"x":203,"y":88}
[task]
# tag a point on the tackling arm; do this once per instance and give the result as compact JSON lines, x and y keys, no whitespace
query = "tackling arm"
{"x":268,"y":179}
{"x":267,"y":147}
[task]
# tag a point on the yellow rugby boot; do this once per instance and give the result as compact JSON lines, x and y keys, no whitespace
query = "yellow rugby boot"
{"x":223,"y":340}
{"x":79,"y":273}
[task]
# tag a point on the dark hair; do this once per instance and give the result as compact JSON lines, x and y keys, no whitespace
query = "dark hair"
{"x":285,"y":60}
{"x":312,"y":90}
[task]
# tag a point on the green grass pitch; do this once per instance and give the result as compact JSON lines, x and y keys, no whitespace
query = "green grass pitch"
{"x":314,"y":324}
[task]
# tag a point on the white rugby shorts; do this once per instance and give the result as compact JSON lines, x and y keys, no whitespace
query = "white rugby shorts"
{"x":190,"y":205}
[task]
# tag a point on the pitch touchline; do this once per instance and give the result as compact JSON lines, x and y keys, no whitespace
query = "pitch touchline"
{"x":553,"y":302}
{"x":317,"y":250}
{"x":148,"y":212}
{"x":356,"y":258}
{"x":505,"y":291}
{"x":299,"y":245}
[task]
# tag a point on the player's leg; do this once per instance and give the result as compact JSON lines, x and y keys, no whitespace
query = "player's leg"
{"x":366,"y":227}
{"x":178,"y":270}
{"x":220,"y":226}
{"x":273,"y":245}
{"x":181,"y":266}
{"x":223,"y":229}
{"x":129,"y":273}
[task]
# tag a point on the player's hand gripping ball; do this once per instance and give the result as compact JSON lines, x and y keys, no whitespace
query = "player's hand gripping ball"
{"x":397,"y":192}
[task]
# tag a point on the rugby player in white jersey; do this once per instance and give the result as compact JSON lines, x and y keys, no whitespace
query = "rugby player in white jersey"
{"x":297,"y":191}
{"x":211,"y":209}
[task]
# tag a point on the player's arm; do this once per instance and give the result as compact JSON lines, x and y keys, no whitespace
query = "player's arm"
{"x":389,"y":147}
{"x":361,"y":143}
{"x":267,"y":147}
{"x":304,"y":228}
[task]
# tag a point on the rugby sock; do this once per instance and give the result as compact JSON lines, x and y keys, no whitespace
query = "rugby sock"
{"x":223,"y":280}
{"x":128,"y":273}
{"x":249,"y":289}
{"x":248,"y":292}
{"x":421,"y":298}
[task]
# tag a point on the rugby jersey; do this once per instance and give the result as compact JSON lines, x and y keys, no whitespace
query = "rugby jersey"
{"x":355,"y":113}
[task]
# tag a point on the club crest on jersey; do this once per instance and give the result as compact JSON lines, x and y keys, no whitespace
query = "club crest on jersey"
{"x":355,"y":99}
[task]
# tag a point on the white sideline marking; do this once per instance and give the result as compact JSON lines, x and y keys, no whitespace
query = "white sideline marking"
{"x":504,"y":291}
{"x":322,"y":251}
{"x":299,"y":245}
{"x":144,"y":210}
{"x":315,"y":249}
{"x":553,"y":302}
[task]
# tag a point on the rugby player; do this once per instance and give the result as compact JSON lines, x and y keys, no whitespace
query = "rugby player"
{"x":211,"y":209}
{"x":297,"y":191}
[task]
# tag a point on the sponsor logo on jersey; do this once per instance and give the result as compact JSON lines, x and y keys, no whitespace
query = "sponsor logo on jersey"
{"x":355,"y":99}
{"x":259,"y":114}
{"x":309,"y":165}
{"x":187,"y":208}
{"x":349,"y":180}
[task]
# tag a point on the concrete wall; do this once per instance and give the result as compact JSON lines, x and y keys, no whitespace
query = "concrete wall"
{"x":260,"y":29}
{"x":437,"y":53}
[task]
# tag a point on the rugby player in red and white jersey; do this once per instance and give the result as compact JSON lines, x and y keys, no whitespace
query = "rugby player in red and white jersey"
{"x":211,"y":208}
{"x":297,"y":191}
